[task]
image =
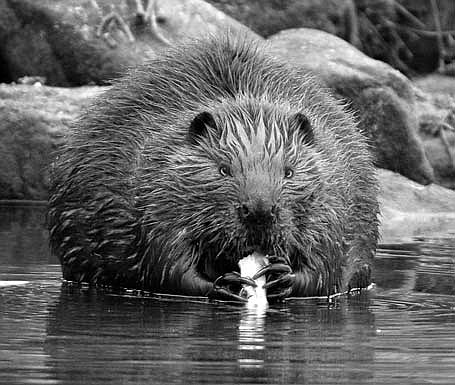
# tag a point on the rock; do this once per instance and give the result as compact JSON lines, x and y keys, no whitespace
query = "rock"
{"x":409,"y":209}
{"x":32,"y":127}
{"x":59,"y":40}
{"x":383,"y":97}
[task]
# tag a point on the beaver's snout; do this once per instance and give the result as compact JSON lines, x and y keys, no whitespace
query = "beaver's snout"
{"x":258,"y":213}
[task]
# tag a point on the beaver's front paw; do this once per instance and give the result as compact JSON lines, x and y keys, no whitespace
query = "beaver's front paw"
{"x":361,"y":278}
{"x":226,"y":286}
{"x":280,"y":278}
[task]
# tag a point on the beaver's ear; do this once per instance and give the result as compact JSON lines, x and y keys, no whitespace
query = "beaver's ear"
{"x":199,"y":126}
{"x":303,"y":125}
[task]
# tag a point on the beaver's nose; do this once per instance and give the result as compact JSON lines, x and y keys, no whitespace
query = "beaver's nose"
{"x":258,"y":212}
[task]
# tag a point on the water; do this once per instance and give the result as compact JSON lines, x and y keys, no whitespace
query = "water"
{"x":402,"y":332}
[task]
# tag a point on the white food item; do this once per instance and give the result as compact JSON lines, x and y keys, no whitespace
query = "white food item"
{"x":249,"y":266}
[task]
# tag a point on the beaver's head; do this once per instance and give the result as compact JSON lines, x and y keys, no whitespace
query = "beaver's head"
{"x":256,"y":172}
{"x":244,"y":180}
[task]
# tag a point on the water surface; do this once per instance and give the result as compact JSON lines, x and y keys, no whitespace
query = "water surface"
{"x":402,"y":332}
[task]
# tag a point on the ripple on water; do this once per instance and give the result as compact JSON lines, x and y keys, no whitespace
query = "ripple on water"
{"x":403,"y":332}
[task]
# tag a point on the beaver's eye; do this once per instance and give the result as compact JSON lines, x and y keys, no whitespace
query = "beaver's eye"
{"x":288,"y":172}
{"x":225,"y":170}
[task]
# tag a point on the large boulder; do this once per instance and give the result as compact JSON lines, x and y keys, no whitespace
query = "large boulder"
{"x":383,"y":97}
{"x":32,"y":127}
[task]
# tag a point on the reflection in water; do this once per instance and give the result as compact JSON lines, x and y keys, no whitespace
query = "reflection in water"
{"x":12,"y":283}
{"x":401,"y":333}
{"x":23,"y":236}
{"x":145,"y":339}
{"x":251,"y":337}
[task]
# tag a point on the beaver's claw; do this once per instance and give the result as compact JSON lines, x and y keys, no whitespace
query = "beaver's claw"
{"x":227,"y":285}
{"x":280,"y":278}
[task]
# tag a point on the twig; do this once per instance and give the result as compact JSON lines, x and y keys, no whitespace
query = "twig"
{"x":437,"y":23}
{"x":146,"y":16}
{"x":391,"y":52}
{"x":408,"y":15}
{"x":446,"y":143}
{"x":400,"y":44}
{"x":151,"y":12}
{"x":423,"y":32}
{"x":140,"y":11}
{"x":447,"y":126}
{"x":108,"y":20}
{"x":372,"y":29}
{"x":352,"y":24}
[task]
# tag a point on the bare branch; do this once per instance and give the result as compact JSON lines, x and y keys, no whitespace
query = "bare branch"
{"x":446,"y":143}
{"x":151,"y":10}
{"x":140,"y":7}
{"x":352,"y":24}
{"x":109,"y":20}
{"x":408,"y":15}
{"x":446,"y":126}
{"x":423,"y":32}
{"x":437,"y":24}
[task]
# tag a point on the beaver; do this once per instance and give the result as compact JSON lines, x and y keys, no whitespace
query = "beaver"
{"x":212,"y":151}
